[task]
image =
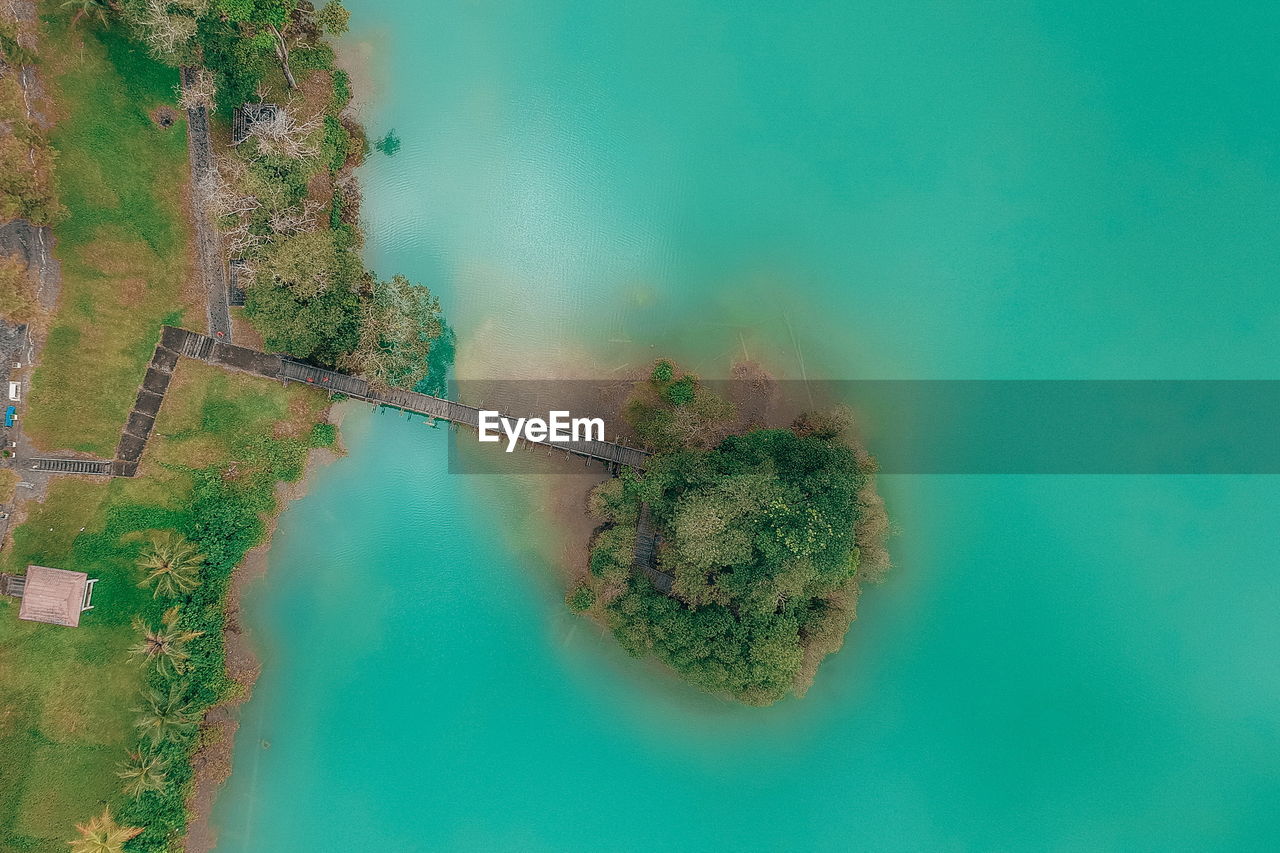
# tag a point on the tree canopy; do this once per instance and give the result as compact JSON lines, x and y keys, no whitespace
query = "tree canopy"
{"x":758,"y":533}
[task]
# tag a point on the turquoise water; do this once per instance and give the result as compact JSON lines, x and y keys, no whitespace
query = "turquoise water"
{"x":880,"y":191}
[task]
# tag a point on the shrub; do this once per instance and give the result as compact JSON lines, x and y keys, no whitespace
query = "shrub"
{"x":311,"y":57}
{"x":663,"y":372}
{"x":323,"y":435}
{"x":341,"y":90}
{"x":336,"y":142}
{"x":581,"y":598}
{"x":680,"y":392}
{"x":17,"y":303}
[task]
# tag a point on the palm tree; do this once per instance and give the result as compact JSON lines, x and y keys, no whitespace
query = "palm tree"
{"x":87,"y":9}
{"x":167,"y":716}
{"x":102,"y":835}
{"x":173,"y":564}
{"x":142,"y":772}
{"x":164,"y":645}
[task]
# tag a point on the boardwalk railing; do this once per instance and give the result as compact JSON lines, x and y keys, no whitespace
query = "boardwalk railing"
{"x":646,"y":553}
{"x":175,"y":343}
{"x":442,"y":409}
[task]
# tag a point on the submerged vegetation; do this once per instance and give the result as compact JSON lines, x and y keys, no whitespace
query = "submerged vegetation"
{"x":763,"y":539}
{"x":389,"y":144}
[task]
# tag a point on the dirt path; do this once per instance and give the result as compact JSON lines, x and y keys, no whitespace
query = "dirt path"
{"x":213,"y":270}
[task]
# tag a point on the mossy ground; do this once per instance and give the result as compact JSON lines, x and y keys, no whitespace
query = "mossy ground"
{"x":67,"y":694}
{"x":125,"y":244}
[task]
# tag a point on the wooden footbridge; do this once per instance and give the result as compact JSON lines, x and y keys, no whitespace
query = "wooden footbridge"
{"x":178,"y":343}
{"x":645,"y":560}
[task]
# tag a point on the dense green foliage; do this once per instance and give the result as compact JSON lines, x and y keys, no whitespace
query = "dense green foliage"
{"x":223,"y":519}
{"x":581,"y":598}
{"x":285,"y":195}
{"x":758,"y":533}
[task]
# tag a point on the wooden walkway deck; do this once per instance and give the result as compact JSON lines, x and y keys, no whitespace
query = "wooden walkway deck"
{"x":176,"y":343}
{"x":441,"y":409}
{"x":645,"y":560}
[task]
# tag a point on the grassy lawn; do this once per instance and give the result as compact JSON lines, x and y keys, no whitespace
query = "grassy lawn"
{"x":67,"y":694}
{"x":125,"y":246}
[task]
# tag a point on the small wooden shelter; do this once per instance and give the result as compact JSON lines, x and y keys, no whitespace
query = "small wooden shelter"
{"x":245,"y":117}
{"x":56,"y":596}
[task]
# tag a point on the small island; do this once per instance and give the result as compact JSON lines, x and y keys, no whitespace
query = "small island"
{"x":737,"y":555}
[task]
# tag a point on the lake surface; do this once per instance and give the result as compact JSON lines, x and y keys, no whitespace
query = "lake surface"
{"x":844,"y":191}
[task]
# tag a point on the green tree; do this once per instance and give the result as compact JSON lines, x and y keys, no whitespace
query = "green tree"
{"x":269,"y":20}
{"x":172,"y":564}
{"x":334,"y":18}
{"x":142,"y":772}
{"x":165,"y":646}
{"x":758,"y":533}
{"x":167,"y":715}
{"x":307,"y":264}
{"x":325,"y":328}
{"x":399,"y":321}
{"x":581,"y":598}
{"x":101,"y":834}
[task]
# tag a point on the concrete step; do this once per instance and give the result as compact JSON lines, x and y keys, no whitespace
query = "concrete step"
{"x":72,"y":466}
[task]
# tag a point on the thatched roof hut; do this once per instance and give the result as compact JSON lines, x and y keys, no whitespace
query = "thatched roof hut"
{"x":56,"y":596}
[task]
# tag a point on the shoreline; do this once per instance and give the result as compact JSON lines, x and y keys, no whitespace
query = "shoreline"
{"x":560,"y":506}
{"x":212,"y":764}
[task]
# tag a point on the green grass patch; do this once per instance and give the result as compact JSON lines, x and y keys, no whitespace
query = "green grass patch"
{"x":124,"y":244}
{"x":67,"y":694}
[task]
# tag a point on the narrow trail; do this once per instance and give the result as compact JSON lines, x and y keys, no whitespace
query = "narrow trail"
{"x":213,"y":270}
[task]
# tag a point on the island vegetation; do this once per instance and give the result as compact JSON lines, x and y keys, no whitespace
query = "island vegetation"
{"x":763,"y":538}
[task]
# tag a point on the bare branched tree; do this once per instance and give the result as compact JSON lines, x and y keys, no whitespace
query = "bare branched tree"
{"x":165,"y":31}
{"x":281,"y":133}
{"x":240,"y":240}
{"x":222,"y":196}
{"x":200,"y":93}
{"x":296,"y":219}
{"x":246,"y":273}
{"x":398,"y":322}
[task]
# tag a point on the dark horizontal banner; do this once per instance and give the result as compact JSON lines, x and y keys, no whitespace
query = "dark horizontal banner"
{"x":937,"y":427}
